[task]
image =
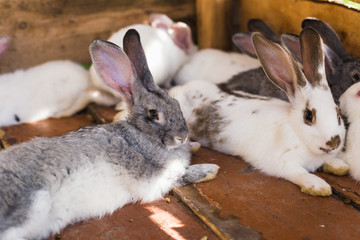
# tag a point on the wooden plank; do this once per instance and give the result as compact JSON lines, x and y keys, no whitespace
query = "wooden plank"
{"x":226,"y":227}
{"x":214,"y":19}
{"x":43,"y":30}
{"x":285,"y":16}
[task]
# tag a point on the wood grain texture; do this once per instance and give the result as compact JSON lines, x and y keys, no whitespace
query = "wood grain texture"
{"x":214,"y":19}
{"x":285,"y":16}
{"x":43,"y":30}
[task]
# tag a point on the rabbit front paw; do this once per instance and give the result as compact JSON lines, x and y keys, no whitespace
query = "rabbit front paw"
{"x":199,"y":173}
{"x":194,"y":146}
{"x":313,"y":185}
{"x":121,"y":116}
{"x":336,"y":166}
{"x":210,"y":171}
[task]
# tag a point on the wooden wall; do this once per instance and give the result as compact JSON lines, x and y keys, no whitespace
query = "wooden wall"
{"x":43,"y":30}
{"x":285,"y":16}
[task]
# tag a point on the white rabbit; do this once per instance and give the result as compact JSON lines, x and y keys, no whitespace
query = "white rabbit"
{"x":282,"y":139}
{"x":167,"y":47}
{"x":215,"y":66}
{"x":349,"y":105}
{"x":53,"y":89}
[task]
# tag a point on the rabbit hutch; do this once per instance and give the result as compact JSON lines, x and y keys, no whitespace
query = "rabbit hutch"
{"x":241,"y":202}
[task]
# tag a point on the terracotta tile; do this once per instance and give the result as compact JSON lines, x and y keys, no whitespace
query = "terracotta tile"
{"x":274,"y":207}
{"x":157,"y":220}
{"x":45,"y":128}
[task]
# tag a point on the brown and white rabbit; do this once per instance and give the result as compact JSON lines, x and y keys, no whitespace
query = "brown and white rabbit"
{"x":282,"y":139}
{"x":49,"y":183}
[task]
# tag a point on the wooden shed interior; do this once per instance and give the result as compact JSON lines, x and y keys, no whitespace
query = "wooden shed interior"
{"x":241,"y":203}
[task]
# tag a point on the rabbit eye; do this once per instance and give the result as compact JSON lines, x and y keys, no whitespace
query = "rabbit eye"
{"x":309,"y":116}
{"x":356,"y":77}
{"x":153,"y":114}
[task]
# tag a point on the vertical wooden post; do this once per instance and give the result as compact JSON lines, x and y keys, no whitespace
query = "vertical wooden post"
{"x":214,"y":19}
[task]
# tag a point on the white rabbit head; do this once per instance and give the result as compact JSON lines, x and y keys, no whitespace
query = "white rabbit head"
{"x":313,"y":114}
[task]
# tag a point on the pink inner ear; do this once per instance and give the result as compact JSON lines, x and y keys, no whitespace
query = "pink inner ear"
{"x":4,"y":43}
{"x":181,"y":35}
{"x":243,"y":42}
{"x":358,"y":94}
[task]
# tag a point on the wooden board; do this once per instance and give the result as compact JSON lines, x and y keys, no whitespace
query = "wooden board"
{"x":285,"y":16}
{"x":43,"y":30}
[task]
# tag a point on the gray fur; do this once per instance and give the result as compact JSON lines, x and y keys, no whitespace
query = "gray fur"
{"x":255,"y":81}
{"x":138,"y":148}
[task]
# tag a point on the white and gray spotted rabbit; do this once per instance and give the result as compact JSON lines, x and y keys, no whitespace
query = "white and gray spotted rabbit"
{"x":53,"y":89}
{"x":349,"y":105}
{"x":282,"y":139}
{"x":48,"y":183}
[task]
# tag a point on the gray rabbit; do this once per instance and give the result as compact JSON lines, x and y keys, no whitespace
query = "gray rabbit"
{"x":254,"y":81}
{"x":48,"y":183}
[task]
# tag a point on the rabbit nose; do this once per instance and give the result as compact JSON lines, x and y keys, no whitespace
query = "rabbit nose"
{"x":334,"y":142}
{"x":180,"y":140}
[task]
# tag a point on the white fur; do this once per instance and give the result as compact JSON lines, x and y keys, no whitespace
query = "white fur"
{"x":93,"y":191}
{"x":270,"y":135}
{"x":349,"y":105}
{"x":214,"y":66}
{"x":53,"y":89}
{"x":163,"y":56}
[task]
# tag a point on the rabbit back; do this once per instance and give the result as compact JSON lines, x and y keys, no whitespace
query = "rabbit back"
{"x":215,"y":66}
{"x":349,"y":105}
{"x":256,"y":82}
{"x":55,"y":87}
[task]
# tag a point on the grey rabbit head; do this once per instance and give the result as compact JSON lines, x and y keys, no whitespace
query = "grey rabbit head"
{"x":150,"y":108}
{"x":342,"y":70}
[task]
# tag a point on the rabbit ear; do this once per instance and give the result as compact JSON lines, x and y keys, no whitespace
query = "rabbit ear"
{"x":181,"y":34}
{"x":160,"y":21}
{"x":278,"y":64}
{"x":332,"y":60}
{"x":4,"y":43}
{"x":136,"y":54}
{"x":292,"y":43}
{"x":328,"y":35}
{"x":312,"y":56}
{"x":243,"y":42}
{"x":258,"y":25}
{"x":113,"y":67}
